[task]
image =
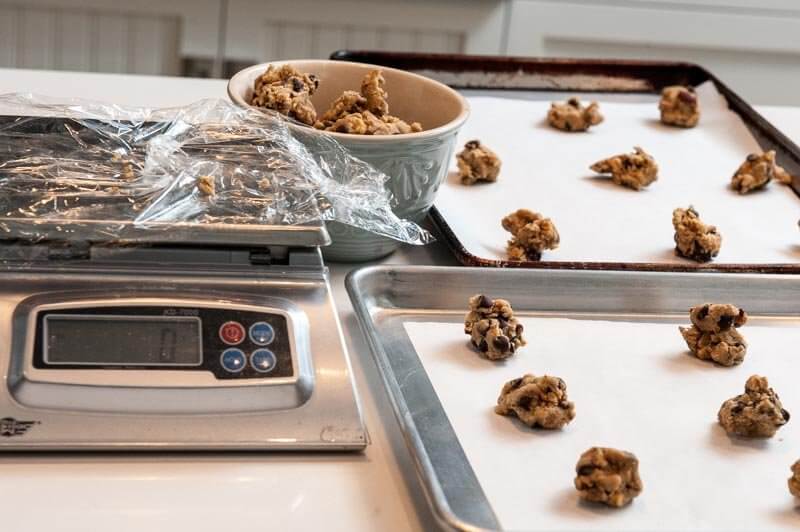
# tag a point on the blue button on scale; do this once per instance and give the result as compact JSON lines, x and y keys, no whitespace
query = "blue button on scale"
{"x":233,"y":360}
{"x":262,"y":333}
{"x":263,"y":360}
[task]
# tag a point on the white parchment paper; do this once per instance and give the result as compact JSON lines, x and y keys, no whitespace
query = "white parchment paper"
{"x":635,"y":388}
{"x":547,"y":170}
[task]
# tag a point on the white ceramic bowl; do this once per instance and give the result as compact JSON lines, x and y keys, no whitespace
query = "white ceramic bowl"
{"x":416,"y":163}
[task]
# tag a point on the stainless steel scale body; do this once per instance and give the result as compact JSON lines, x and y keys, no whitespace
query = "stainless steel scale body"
{"x":82,"y":327}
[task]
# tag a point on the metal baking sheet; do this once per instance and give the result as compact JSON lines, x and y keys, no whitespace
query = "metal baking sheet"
{"x":392,"y":304}
{"x":607,"y":81}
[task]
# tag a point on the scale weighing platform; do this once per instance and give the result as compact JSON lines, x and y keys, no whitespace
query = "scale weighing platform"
{"x":195,"y":337}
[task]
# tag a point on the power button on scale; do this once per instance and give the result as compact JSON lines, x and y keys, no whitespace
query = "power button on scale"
{"x":232,"y":333}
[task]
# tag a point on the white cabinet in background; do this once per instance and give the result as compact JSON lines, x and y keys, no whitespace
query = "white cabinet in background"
{"x":138,"y":36}
{"x":754,"y":46}
{"x":263,"y":30}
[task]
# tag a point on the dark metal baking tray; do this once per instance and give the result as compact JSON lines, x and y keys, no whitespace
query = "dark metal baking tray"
{"x":497,"y":74}
{"x":387,"y":297}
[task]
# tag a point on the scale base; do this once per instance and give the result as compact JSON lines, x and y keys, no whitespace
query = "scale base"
{"x":326,"y":416}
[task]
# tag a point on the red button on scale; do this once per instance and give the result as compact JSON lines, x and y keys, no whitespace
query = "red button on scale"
{"x":232,"y":332}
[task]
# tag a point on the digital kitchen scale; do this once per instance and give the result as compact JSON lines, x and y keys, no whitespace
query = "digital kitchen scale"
{"x":189,"y":336}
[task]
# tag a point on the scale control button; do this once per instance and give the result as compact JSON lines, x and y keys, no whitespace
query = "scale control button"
{"x":231,"y":332}
{"x":262,"y":333}
{"x":263,"y":360}
{"x":233,"y":360}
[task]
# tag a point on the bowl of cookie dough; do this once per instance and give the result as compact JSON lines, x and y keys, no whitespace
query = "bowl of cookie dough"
{"x":403,"y":124}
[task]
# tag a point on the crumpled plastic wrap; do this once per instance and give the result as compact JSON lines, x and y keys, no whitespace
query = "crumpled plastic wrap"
{"x":90,"y":165}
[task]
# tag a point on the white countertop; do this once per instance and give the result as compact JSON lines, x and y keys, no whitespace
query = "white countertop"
{"x":374,"y":490}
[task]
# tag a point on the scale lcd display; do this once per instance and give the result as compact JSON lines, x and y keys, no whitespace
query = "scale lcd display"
{"x":113,"y":340}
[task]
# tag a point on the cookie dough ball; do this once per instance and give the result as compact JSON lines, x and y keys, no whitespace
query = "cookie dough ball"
{"x":349,"y":102}
{"x":608,"y":476}
{"x":288,"y":75}
{"x":372,"y":89}
{"x":366,"y":123}
{"x":537,"y":401}
{"x":205,"y":184}
{"x":794,"y":480}
{"x":125,"y":165}
{"x":757,"y":413}
{"x":531,"y":234}
{"x":573,"y":116}
{"x":396,"y":126}
{"x":634,"y":170}
{"x":713,"y":334}
{"x":717,"y":317}
{"x":679,"y":106}
{"x":476,"y":163}
{"x":365,"y":113}
{"x":492,"y":327}
{"x":286,"y":90}
{"x":726,"y":348}
{"x":355,"y":124}
{"x":694,"y":239}
{"x":757,"y":171}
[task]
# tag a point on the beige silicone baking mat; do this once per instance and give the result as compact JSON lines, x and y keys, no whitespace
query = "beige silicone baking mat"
{"x":635,"y":388}
{"x":547,"y":170}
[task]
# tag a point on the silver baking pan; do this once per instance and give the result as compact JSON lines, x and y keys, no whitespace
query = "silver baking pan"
{"x":386,"y":298}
